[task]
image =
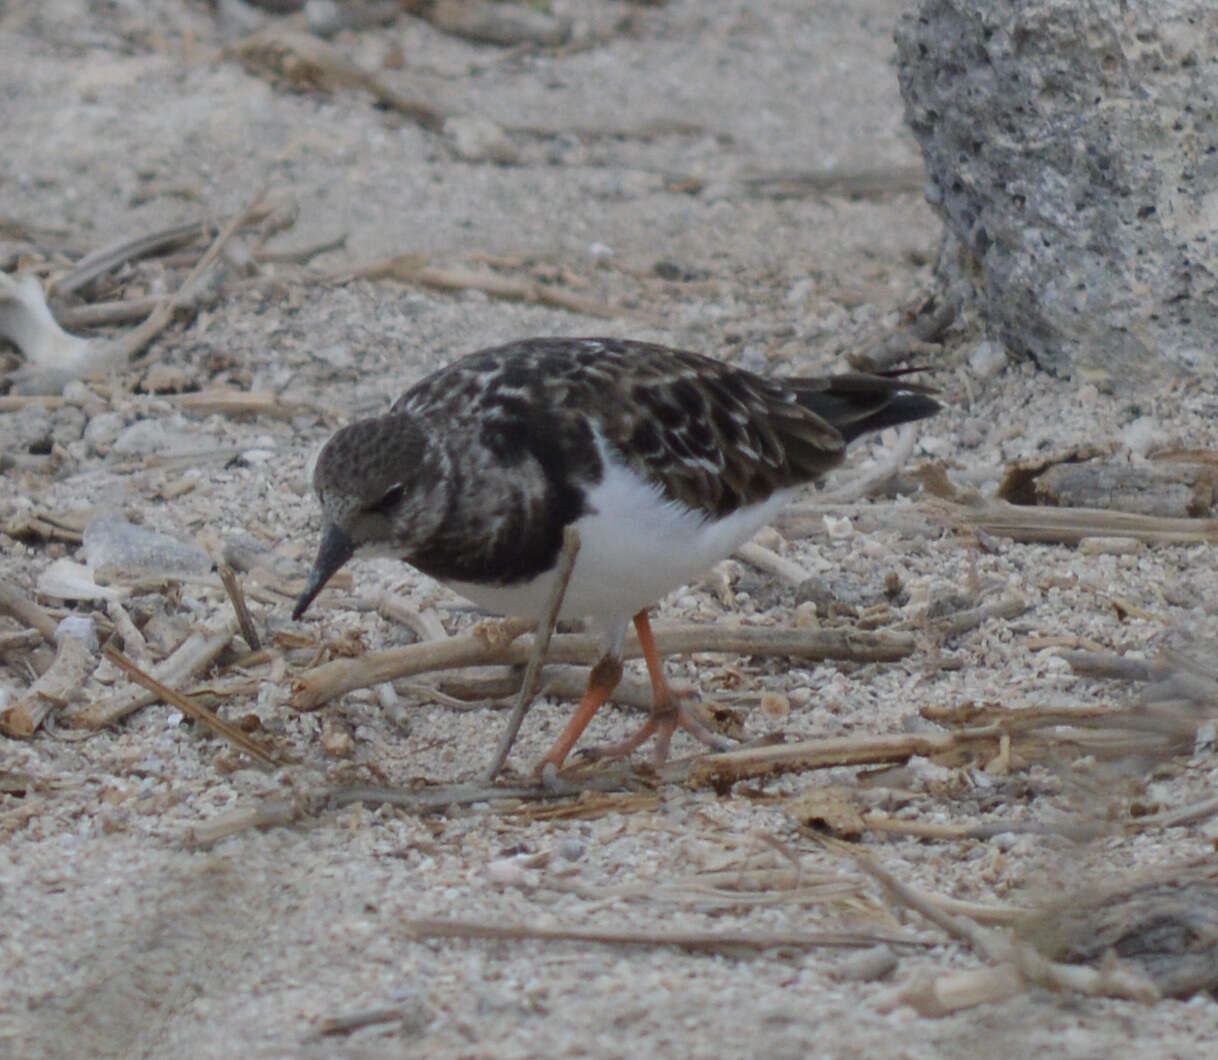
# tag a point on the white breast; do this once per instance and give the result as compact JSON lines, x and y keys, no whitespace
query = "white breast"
{"x":635,"y":547}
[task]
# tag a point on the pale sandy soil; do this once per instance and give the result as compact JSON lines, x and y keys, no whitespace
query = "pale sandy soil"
{"x":118,"y":938}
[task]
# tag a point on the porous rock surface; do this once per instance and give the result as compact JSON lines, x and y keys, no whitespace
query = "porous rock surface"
{"x":1072,"y":150}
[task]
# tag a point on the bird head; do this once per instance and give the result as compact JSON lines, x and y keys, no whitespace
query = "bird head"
{"x":369,"y":479}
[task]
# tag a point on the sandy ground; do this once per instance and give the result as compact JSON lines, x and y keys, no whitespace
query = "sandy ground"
{"x":119,"y":937}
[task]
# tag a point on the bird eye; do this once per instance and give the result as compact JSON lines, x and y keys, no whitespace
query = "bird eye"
{"x":391,"y":499}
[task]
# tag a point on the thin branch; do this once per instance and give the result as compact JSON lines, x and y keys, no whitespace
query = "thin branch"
{"x":54,"y":689}
{"x":408,"y":268}
{"x":699,"y":941}
{"x":194,"y":654}
{"x":769,"y":561}
{"x":138,"y":337}
{"x":232,"y":586}
{"x":722,"y":770}
{"x":280,"y":812}
{"x":190,"y":708}
{"x":317,"y":686}
{"x":965,"y":621}
{"x":541,"y":643}
{"x":1070,"y":525}
{"x":25,"y":611}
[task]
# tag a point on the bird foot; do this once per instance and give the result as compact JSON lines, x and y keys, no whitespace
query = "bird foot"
{"x":662,"y":723}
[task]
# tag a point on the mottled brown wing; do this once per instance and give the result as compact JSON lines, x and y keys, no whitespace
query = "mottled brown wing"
{"x":709,"y":435}
{"x":713,"y":436}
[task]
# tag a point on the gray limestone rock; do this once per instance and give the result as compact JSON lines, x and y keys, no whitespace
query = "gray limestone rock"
{"x":1072,"y":150}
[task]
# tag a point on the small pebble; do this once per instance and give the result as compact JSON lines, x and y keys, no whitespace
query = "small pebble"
{"x":336,"y":740}
{"x":806,"y":616}
{"x":509,"y":872}
{"x":775,"y":706}
{"x":838,"y":529}
{"x":571,"y":849}
{"x":477,"y":139}
{"x":82,"y":627}
{"x":987,"y":359}
{"x":866,"y":966}
{"x":1142,"y":435}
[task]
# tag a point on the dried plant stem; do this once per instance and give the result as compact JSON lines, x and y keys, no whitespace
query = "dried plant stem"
{"x":138,"y":337}
{"x":281,"y":812}
{"x":22,"y":641}
{"x":409,"y":268}
{"x":771,"y":562}
{"x":1004,"y":951}
{"x":190,"y":708}
{"x":722,"y":770}
{"x":319,"y":685}
{"x":1182,"y":815}
{"x":232,"y":402}
{"x":133,"y":639}
{"x":108,"y":258}
{"x":25,"y":611}
{"x":702,"y":941}
{"x":353,"y":1021}
{"x":193,"y":655}
{"x":232,"y":586}
{"x":541,"y":643}
{"x":54,"y":689}
{"x":965,"y":621}
{"x":1071,"y":525}
{"x":1103,"y":664}
{"x":983,"y":941}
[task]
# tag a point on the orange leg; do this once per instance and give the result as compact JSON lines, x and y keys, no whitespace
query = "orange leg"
{"x":668,"y":713}
{"x":601,"y":683}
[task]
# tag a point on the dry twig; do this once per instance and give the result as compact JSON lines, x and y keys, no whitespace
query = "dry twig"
{"x":193,"y":655}
{"x":281,"y":812}
{"x":409,"y":268}
{"x":700,"y":941}
{"x":947,"y":993}
{"x":541,"y":643}
{"x":1071,"y":525}
{"x":133,"y":639}
{"x":190,"y":708}
{"x":724,"y":769}
{"x":138,"y":337}
{"x":965,"y":621}
{"x":312,"y":64}
{"x":769,"y":561}
{"x":54,"y":689}
{"x":321,"y":684}
{"x":246,"y":623}
{"x":25,"y":611}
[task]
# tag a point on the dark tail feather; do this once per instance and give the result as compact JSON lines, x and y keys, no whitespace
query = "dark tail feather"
{"x":858,"y":403}
{"x":902,"y":408}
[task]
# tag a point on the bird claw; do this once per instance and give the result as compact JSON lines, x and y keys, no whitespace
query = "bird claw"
{"x":661,"y":724}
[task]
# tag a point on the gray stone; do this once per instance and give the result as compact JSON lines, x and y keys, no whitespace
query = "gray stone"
{"x":103,"y":429}
{"x":111,"y":539}
{"x":67,"y":424}
{"x":986,"y":359}
{"x":1072,"y":150}
{"x":82,"y":627}
{"x":480,"y":140}
{"x":144,"y":437}
{"x":27,"y":429}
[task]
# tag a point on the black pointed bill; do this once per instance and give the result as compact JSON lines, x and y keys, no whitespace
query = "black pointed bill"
{"x":335,"y":549}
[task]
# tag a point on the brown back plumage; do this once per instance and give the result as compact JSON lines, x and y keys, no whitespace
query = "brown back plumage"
{"x":710,"y":435}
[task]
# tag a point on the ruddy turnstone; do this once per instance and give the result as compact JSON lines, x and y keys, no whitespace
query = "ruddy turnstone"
{"x":665,"y":461}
